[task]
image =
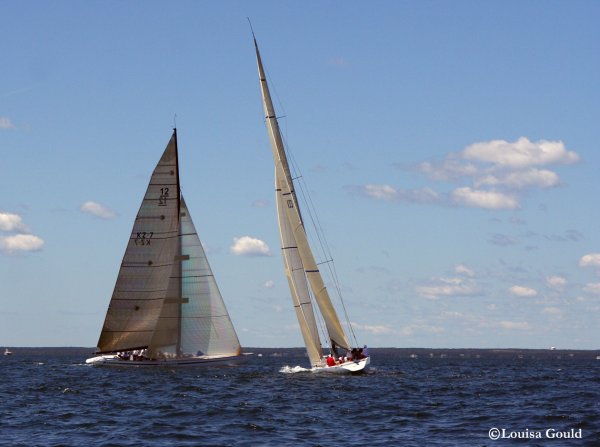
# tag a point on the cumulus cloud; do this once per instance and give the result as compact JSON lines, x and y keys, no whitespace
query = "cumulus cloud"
{"x":523,"y":291}
{"x":439,"y":287}
{"x":484,"y":199}
{"x":556,"y":282}
{"x":249,"y":246}
{"x":520,"y":154}
{"x":6,"y":123}
{"x":540,"y":178}
{"x":21,"y":242}
{"x":269,"y":284}
{"x":590,"y":260}
{"x":98,"y":210}
{"x":11,"y":222}
{"x":494,"y":175}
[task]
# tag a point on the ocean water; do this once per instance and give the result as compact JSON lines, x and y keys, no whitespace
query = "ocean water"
{"x":49,"y":397}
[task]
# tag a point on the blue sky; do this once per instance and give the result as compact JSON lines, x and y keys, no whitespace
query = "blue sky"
{"x":451,"y":149}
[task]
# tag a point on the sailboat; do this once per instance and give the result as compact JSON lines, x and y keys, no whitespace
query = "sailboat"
{"x":7,"y":352}
{"x":166,"y":308}
{"x":302,"y":271}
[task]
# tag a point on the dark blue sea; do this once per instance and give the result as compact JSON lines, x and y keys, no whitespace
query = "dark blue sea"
{"x":419,"y":397}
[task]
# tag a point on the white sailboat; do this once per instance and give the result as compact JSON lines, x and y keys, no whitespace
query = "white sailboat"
{"x":302,"y":271}
{"x":7,"y":352}
{"x":166,"y":308}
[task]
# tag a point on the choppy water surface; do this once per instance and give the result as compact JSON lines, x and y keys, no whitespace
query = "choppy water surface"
{"x":436,"y":398}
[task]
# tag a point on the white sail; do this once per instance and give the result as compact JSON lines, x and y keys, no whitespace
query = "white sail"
{"x":291,"y":218}
{"x":206,"y":328}
{"x":166,"y":298}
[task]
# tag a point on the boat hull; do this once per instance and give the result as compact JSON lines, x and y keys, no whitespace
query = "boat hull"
{"x":353,"y":367}
{"x":114,"y":361}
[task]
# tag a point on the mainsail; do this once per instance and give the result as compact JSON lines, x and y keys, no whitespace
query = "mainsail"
{"x":166,"y":298}
{"x":300,"y":265}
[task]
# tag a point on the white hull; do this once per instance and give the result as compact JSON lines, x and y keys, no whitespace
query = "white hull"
{"x":114,"y":361}
{"x":352,"y":367}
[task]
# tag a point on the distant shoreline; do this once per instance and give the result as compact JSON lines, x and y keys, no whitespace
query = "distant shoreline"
{"x":408,"y":353}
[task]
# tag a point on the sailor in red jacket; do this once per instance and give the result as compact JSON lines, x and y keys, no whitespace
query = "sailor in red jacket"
{"x":330,"y":361}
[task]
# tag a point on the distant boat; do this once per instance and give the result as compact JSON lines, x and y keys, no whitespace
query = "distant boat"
{"x":166,"y":308}
{"x":7,"y":352}
{"x":301,"y":269}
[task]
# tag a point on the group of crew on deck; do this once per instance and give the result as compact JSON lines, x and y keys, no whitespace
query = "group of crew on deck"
{"x":353,"y":355}
{"x":135,"y":355}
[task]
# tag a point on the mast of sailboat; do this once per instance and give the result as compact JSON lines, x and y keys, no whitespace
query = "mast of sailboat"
{"x":178,"y":256}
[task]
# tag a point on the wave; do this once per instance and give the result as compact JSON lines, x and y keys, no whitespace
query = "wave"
{"x":293,"y":369}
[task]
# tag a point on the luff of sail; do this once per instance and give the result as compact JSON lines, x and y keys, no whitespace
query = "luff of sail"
{"x":287,"y":196}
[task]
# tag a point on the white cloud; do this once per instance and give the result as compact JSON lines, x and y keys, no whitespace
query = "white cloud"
{"x":21,"y":242}
{"x":390,"y":194}
{"x":520,"y":154}
{"x":98,"y":210}
{"x":484,"y":199}
{"x":557,"y":282}
{"x":541,"y":178}
{"x":269,"y":284}
{"x":381,"y":192}
{"x":6,"y":123}
{"x":523,"y":291}
{"x":494,"y":175}
{"x":249,"y":246}
{"x":449,"y":170}
{"x":11,"y":222}
{"x":448,"y":287}
{"x":461,"y":269}
{"x":590,"y":260}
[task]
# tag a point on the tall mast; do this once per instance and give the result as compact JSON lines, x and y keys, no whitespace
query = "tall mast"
{"x":178,"y":256}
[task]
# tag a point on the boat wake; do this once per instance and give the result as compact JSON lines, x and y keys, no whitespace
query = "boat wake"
{"x":293,"y":369}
